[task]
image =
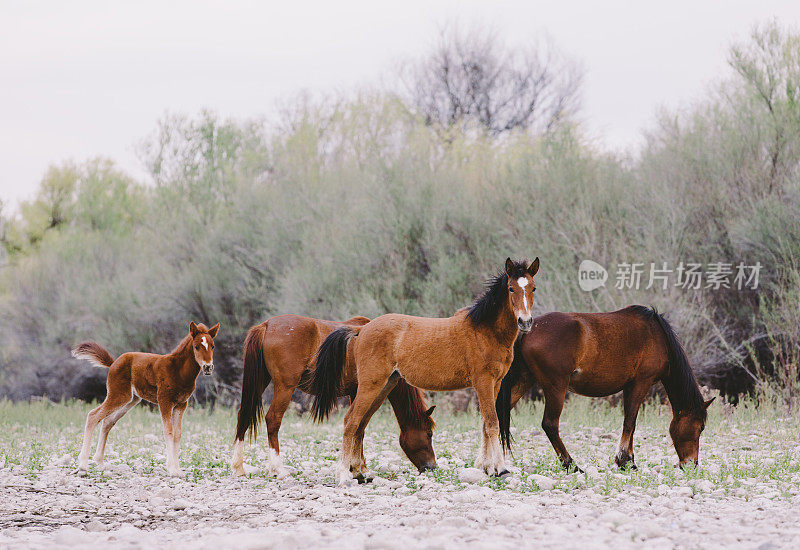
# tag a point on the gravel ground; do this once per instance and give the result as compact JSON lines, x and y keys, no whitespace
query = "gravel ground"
{"x":747,"y":492}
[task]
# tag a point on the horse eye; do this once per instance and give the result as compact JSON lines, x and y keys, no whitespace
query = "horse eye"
{"x":511,"y":290}
{"x":197,"y":347}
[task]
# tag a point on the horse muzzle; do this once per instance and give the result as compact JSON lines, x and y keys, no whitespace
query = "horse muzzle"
{"x":525,"y":325}
{"x":427,"y":466}
{"x":208,"y":369}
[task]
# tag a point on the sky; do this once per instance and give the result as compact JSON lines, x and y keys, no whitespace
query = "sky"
{"x":91,"y":78}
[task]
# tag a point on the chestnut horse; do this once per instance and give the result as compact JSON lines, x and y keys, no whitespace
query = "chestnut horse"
{"x":283,"y":349}
{"x":473,"y":348}
{"x":599,"y":354}
{"x":167,"y":380}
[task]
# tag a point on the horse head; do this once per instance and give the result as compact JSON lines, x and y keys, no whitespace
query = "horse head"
{"x":203,"y":344}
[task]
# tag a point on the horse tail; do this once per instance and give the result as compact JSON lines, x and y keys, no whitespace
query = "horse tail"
{"x":503,"y":404}
{"x":326,"y":382}
{"x":93,"y":352}
{"x":255,"y":380}
{"x":679,"y":382}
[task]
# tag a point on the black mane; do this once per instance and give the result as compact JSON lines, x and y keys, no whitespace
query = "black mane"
{"x":486,"y":308}
{"x":680,"y":383}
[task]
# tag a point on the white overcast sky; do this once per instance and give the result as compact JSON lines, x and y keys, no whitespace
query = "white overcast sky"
{"x":80,"y":78}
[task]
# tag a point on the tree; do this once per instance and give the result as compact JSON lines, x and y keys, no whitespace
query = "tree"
{"x":769,"y":65}
{"x":474,"y":78}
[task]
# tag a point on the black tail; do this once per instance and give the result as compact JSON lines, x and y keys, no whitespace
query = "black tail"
{"x":680,"y":383}
{"x":503,"y":405}
{"x":255,"y":380}
{"x":326,"y":383}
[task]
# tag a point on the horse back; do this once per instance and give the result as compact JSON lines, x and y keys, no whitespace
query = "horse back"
{"x":597,"y":352}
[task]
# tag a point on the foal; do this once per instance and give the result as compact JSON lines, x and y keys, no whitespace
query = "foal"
{"x":282,"y":349}
{"x":167,"y":380}
{"x":473,"y":348}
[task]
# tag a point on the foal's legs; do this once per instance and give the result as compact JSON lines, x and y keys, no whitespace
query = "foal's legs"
{"x":166,"y":406}
{"x":109,"y":423}
{"x":177,"y":422}
{"x":492,"y":458}
{"x":113,"y":402}
{"x":632,"y":397}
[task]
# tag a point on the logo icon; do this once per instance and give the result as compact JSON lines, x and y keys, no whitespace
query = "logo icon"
{"x":591,"y":275}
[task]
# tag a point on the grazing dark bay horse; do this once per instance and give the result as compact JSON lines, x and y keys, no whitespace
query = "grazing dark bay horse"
{"x":599,"y":354}
{"x":167,"y":380}
{"x":473,"y":348}
{"x":283,"y":349}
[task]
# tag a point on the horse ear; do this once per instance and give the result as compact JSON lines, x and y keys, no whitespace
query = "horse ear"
{"x":193,"y":328}
{"x":534,"y":267}
{"x":213,"y":330}
{"x":509,"y":266}
{"x":430,"y":411}
{"x":708,"y":403}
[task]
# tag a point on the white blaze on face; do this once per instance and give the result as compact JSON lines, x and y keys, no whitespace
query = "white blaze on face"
{"x":203,"y":341}
{"x":526,"y":313}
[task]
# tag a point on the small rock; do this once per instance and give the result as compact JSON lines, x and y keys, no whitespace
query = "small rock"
{"x":543,"y":482}
{"x":684,"y":492}
{"x":615,"y":518}
{"x":471,"y":475}
{"x":383,"y":482}
{"x":95,"y":526}
{"x":180,"y":504}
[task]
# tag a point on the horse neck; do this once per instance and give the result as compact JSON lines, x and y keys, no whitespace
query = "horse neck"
{"x":505,"y":328}
{"x":184,"y":363}
{"x":677,"y":384}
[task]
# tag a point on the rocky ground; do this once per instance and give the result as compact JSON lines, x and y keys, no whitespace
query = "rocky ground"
{"x":746,"y":493}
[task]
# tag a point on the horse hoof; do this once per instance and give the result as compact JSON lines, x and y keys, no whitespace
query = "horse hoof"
{"x":501,"y":473}
{"x":361,"y":479}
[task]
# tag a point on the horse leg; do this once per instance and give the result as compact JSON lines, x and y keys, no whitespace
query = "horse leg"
{"x":177,"y":424}
{"x":632,"y":397}
{"x":553,"y":405}
{"x":493,"y":458}
{"x":165,"y":406}
{"x":358,"y":450}
{"x":355,"y":422}
{"x":112,"y":402}
{"x":109,"y":423}
{"x":281,"y":398}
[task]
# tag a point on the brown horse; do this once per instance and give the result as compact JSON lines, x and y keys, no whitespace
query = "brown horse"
{"x":473,"y":348}
{"x":599,"y":354}
{"x":167,"y":380}
{"x":282,"y":349}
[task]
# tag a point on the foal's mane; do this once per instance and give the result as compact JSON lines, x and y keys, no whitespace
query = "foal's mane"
{"x":187,"y":340}
{"x":487,"y":307}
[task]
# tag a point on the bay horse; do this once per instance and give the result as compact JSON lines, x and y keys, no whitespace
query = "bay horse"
{"x":473,"y":348}
{"x":282,"y":349}
{"x":166,"y":380}
{"x":599,"y":354}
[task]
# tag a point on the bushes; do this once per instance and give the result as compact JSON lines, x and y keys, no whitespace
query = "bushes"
{"x":356,"y":207}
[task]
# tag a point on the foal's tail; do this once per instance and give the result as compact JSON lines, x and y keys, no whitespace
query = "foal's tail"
{"x":255,"y":380}
{"x":93,"y":352}
{"x":326,"y":383}
{"x":503,"y":404}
